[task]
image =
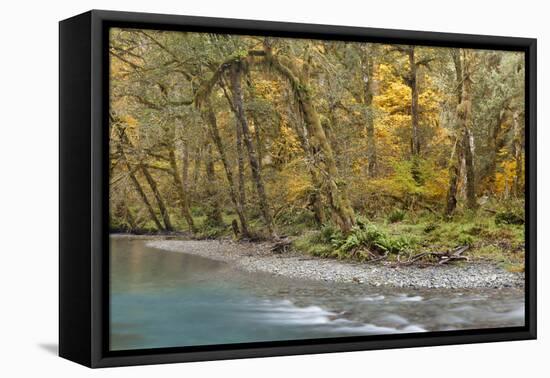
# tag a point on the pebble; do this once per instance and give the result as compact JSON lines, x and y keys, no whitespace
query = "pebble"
{"x":292,"y":264}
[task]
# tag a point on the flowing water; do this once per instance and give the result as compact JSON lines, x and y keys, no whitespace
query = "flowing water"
{"x":167,"y":299}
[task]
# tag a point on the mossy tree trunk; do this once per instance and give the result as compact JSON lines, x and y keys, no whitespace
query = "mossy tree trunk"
{"x":454,"y":175}
{"x":415,"y":138}
{"x":322,"y":153}
{"x":255,"y":120}
{"x":158,"y":197}
{"x":152,"y":184}
{"x":241,"y":188}
{"x":456,"y":155}
{"x":367,"y":66}
{"x":464,"y":114}
{"x":413,"y":84}
{"x":464,"y":144}
{"x":180,"y":188}
{"x":315,"y":200}
{"x":139,"y":188}
{"x":214,"y":213}
{"x":236,"y":89}
{"x":240,"y":163}
{"x":517,"y":149}
{"x":210,"y":118}
{"x":185,"y":163}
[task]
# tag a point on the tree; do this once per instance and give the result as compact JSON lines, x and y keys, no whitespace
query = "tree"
{"x":367,"y":67}
{"x":236,"y":75}
{"x":322,"y":152}
{"x":463,"y":61}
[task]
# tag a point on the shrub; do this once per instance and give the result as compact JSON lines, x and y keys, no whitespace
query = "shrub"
{"x":430,"y":227}
{"x":475,"y":230}
{"x":313,"y":245}
{"x":371,"y":238}
{"x":509,"y":217}
{"x":209,"y":233}
{"x":329,"y":233}
{"x":465,"y":239}
{"x":197,"y":211}
{"x":396,"y":215}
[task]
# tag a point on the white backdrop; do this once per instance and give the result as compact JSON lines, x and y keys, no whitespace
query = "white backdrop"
{"x":29,"y":186}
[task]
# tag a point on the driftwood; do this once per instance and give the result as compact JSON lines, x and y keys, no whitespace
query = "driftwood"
{"x":281,"y":245}
{"x":376,"y":258}
{"x":443,"y":257}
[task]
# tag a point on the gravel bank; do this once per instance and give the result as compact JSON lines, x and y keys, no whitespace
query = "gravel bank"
{"x":258,"y":257}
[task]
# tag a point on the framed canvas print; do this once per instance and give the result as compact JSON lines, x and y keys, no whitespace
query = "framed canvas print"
{"x":234,"y":188}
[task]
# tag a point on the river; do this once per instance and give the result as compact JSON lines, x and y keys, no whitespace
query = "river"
{"x":168,"y":299}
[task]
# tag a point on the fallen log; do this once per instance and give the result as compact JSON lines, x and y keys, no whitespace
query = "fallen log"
{"x":456,"y":255}
{"x":281,"y":245}
{"x":443,"y":257}
{"x":376,"y":258}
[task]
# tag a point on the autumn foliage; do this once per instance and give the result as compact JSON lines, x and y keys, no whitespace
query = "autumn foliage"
{"x":265,"y":137}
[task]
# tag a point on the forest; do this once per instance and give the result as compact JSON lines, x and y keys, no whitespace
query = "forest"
{"x":363,"y":151}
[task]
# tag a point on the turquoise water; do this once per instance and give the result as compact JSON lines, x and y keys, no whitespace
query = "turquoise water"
{"x":167,"y":299}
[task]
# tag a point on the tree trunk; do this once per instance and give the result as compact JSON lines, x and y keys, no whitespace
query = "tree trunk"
{"x":240,"y":163}
{"x":158,"y":197}
{"x":454,"y":175}
{"x":197,"y":157}
{"x":415,"y":142}
{"x":210,"y":119}
{"x":368,"y":80}
{"x":321,"y":150}
{"x":517,"y":147}
{"x":337,"y":195}
{"x":329,"y":124}
{"x":465,"y":118}
{"x":180,"y":188}
{"x":256,"y":122}
{"x":464,"y":136}
{"x":185,"y":173}
{"x":139,"y":188}
{"x":236,"y":74}
{"x":495,"y":143}
{"x":315,"y":201}
{"x":316,"y":204}
{"x":455,"y":54}
{"x":129,"y":216}
{"x":465,"y":151}
{"x":469,"y":165}
{"x":241,"y":188}
{"x":152,"y":184}
{"x":214,"y":214}
{"x":415,"y":138}
{"x":258,"y":138}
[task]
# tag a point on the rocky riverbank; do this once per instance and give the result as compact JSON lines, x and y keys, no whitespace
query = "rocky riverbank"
{"x":258,"y":257}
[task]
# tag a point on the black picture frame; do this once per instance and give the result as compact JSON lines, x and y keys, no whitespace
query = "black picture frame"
{"x":83,"y":195}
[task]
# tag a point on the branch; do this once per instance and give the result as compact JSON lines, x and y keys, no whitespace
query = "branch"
{"x":402,"y":49}
{"x":124,"y":60}
{"x":159,"y":168}
{"x":127,"y":51}
{"x":223,"y":85}
{"x":187,"y":75}
{"x":207,"y":86}
{"x":425,"y":62}
{"x":144,"y":101}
